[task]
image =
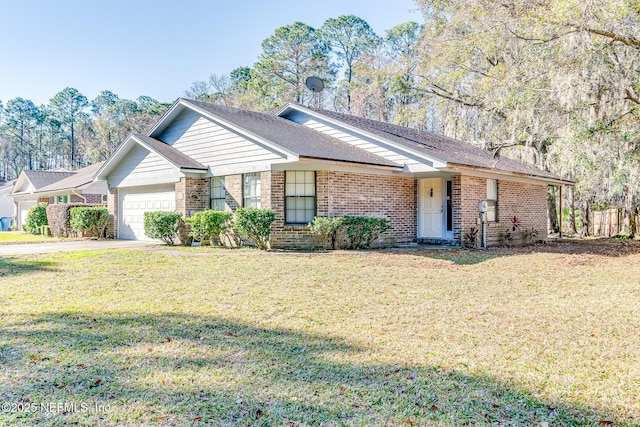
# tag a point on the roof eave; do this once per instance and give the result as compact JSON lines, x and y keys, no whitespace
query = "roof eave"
{"x":550,"y":180}
{"x":435,"y":162}
{"x":399,"y":168}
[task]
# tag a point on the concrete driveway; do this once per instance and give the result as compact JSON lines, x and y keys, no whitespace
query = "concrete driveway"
{"x":74,"y":245}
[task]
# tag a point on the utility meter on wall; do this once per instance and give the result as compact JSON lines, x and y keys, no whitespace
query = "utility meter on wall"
{"x":482,"y":206}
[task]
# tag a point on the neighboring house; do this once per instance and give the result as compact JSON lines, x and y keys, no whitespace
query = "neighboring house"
{"x":6,"y":203}
{"x":304,"y":162}
{"x":56,"y":186}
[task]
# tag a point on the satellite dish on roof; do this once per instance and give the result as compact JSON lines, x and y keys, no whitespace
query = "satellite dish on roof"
{"x":314,"y":84}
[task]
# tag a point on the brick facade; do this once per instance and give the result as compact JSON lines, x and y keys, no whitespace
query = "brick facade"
{"x":192,"y":195}
{"x":527,"y":202}
{"x":347,"y":193}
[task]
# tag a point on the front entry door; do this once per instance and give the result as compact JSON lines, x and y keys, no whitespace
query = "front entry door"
{"x":430,"y":208}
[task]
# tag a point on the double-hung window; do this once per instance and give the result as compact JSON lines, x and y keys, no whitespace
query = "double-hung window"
{"x":217,"y":193}
{"x":492,"y":200}
{"x":300,"y":197}
{"x":251,"y":190}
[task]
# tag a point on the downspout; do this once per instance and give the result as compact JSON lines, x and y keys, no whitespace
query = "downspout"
{"x":560,"y":222}
{"x":80,"y":195}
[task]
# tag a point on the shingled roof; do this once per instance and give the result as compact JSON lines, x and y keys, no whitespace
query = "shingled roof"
{"x":40,"y":179}
{"x":292,"y":136}
{"x":174,"y":156}
{"x":77,"y":179}
{"x":443,"y":148}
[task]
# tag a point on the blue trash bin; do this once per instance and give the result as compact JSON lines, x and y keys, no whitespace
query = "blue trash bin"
{"x":5,"y":223}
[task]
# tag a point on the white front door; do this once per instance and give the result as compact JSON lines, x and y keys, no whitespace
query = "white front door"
{"x":430,"y":208}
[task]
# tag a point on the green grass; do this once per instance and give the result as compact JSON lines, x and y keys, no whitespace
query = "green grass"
{"x":513,"y":337}
{"x":9,"y":237}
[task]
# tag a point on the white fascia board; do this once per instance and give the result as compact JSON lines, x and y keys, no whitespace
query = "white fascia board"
{"x":435,"y":163}
{"x":288,"y":154}
{"x":21,"y":181}
{"x":168,"y":116}
{"x":121,"y":151}
{"x":507,"y":175}
{"x":128,"y":144}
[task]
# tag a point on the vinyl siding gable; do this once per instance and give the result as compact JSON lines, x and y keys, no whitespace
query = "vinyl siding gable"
{"x":213,"y":145}
{"x":412,"y":163}
{"x":143,"y":167}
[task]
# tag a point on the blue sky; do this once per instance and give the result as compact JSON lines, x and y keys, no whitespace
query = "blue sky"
{"x":154,"y":48}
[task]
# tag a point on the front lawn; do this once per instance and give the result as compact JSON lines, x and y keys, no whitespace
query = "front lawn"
{"x":8,"y":237}
{"x":513,"y":337}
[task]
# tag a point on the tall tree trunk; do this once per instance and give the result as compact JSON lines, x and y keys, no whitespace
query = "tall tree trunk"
{"x":552,"y":210}
{"x":629,"y":223}
{"x":585,"y":211}
{"x":573,"y":229}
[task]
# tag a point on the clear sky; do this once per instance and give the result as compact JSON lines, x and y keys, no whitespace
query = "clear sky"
{"x":154,"y":48}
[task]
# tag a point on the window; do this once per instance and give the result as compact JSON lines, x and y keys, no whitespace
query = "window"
{"x":251,"y":190}
{"x":62,"y":199}
{"x":300,"y":197}
{"x":492,"y":200}
{"x":217,"y":193}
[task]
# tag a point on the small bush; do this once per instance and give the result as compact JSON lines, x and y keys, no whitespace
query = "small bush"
{"x":36,"y":218}
{"x":163,"y":225}
{"x":255,"y":224}
{"x":89,"y":219}
{"x":470,"y":238}
{"x":362,"y":230}
{"x":327,"y":227}
{"x":210,"y":224}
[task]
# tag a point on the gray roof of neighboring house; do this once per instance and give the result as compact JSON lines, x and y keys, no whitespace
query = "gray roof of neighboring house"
{"x":41,"y":179}
{"x":439,"y":146}
{"x":7,"y":185}
{"x":176,"y":157}
{"x":293,"y":136}
{"x":76,"y":179}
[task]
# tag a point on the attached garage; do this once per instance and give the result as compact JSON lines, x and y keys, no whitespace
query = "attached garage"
{"x":135,"y":201}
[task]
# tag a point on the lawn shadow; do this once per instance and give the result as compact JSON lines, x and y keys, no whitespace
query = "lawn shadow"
{"x":173,"y":369}
{"x":10,"y":266}
{"x":571,"y":247}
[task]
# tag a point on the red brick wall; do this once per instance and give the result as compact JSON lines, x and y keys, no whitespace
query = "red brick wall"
{"x":346,"y":193}
{"x":527,"y":202}
{"x":192,"y":195}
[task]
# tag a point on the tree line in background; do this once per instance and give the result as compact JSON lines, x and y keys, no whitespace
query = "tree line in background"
{"x":555,"y":83}
{"x":70,"y":131}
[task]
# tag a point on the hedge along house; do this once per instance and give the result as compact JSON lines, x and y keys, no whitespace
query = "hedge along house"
{"x":56,"y":186}
{"x":304,"y":163}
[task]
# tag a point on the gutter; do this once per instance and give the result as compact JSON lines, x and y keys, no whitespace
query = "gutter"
{"x":79,"y":195}
{"x":552,"y":181}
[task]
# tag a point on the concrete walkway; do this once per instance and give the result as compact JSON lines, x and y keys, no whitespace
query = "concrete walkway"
{"x":73,"y":245}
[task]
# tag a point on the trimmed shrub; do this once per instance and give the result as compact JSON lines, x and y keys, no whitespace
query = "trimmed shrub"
{"x":255,"y":224}
{"x":210,"y":224}
{"x":93,"y":219}
{"x":36,"y":218}
{"x":362,"y":230}
{"x":327,"y":227}
{"x":59,"y":218}
{"x":163,"y":225}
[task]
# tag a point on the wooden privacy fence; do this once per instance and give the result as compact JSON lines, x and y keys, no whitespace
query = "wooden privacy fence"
{"x":610,"y":222}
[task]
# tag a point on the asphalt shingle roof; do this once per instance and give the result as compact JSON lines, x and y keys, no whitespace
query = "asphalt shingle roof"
{"x":176,"y":157}
{"x":77,"y":179}
{"x":439,"y":146}
{"x":41,"y":179}
{"x":293,"y":136}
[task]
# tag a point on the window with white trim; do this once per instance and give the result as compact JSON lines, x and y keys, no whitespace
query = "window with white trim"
{"x":492,"y":200}
{"x":217,"y":193}
{"x":300,"y":197}
{"x":251,"y":190}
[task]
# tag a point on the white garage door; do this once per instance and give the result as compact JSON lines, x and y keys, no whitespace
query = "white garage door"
{"x":23,"y":210}
{"x":135,"y":201}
